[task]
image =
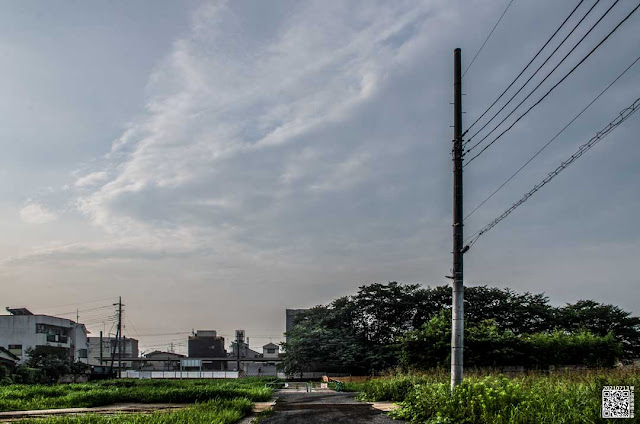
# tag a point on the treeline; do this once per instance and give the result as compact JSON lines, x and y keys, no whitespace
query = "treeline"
{"x":389,"y":325}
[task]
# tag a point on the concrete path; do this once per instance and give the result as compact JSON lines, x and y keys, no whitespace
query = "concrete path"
{"x":324,"y":407}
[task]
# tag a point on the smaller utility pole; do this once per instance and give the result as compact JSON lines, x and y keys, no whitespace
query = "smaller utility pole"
{"x":238,"y":352}
{"x":239,"y":341}
{"x":100,"y":348}
{"x":119,"y":335}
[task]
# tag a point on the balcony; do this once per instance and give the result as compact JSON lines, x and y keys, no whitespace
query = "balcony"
{"x":53,"y":340}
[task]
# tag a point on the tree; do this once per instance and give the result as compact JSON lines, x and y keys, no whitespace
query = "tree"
{"x":52,"y":361}
{"x":486,"y":345}
{"x":428,"y":346}
{"x":324,"y":339}
{"x":517,"y":312}
{"x":602,"y":319}
{"x":384,"y":325}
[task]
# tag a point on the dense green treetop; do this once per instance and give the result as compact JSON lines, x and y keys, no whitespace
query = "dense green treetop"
{"x":364,"y":332}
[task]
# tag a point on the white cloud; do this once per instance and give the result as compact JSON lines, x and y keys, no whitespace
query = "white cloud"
{"x":35,"y":213}
{"x":234,"y":111}
{"x":91,"y":179}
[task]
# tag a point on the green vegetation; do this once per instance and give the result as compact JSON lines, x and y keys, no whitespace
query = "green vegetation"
{"x":488,"y":346}
{"x":24,"y":397}
{"x":559,"y":397}
{"x":384,"y":326}
{"x":217,"y":411}
{"x":44,"y":364}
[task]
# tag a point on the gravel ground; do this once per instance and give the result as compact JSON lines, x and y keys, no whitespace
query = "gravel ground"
{"x":295,"y":407}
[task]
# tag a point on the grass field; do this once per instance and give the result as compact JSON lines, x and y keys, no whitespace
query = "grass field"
{"x":216,"y":401}
{"x":217,"y":411}
{"x":559,"y":397}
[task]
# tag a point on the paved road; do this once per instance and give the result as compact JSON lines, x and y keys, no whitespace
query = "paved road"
{"x":323,"y":407}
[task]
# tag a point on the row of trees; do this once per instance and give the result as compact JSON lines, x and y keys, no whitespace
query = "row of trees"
{"x":389,"y":325}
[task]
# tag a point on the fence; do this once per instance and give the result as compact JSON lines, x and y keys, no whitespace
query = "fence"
{"x":178,"y":374}
{"x":218,"y":374}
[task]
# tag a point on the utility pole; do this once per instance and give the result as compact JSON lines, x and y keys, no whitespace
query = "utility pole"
{"x":457,"y":315}
{"x":119,"y":335}
{"x":100,"y":348}
{"x":238,"y":352}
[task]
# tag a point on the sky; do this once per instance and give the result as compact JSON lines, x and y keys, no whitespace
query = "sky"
{"x":216,"y":162}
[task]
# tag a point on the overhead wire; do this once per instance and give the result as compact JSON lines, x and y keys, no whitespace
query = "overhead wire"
{"x":584,"y":36}
{"x":554,"y":86}
{"x":74,"y":304}
{"x":552,"y":139}
{"x":625,"y":114}
{"x":84,"y":310}
{"x":524,"y":69}
{"x":487,"y":39}
{"x":536,"y":72}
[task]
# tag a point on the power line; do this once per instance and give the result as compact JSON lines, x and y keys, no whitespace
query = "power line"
{"x":75,"y":304}
{"x":541,"y":82}
{"x":164,"y":334}
{"x":85,"y":310}
{"x":536,"y":72}
{"x":552,"y":88}
{"x":524,"y":69}
{"x":553,"y":139}
{"x":622,"y":116}
{"x":487,"y":39}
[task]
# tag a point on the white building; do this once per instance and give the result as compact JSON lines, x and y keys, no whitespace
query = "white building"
{"x":22,"y":330}
{"x":110,"y":348}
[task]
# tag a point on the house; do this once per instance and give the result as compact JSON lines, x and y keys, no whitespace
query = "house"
{"x":8,"y":359}
{"x":103,"y":348}
{"x":162,"y":361}
{"x":22,"y":330}
{"x":270,"y":351}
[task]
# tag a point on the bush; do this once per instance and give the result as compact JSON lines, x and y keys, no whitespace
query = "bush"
{"x":28,"y":375}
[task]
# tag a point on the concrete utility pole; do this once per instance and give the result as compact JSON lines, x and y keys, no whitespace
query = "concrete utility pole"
{"x":119,"y":336}
{"x":238,"y":352}
{"x":457,"y":315}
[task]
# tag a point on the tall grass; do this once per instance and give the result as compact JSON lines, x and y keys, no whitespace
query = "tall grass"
{"x":216,"y":411}
{"x":25,"y":397}
{"x":557,"y":397}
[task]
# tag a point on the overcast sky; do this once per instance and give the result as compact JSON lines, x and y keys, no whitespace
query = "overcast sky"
{"x":214,"y":163}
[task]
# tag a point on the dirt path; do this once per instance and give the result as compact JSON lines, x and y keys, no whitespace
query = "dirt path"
{"x":325,"y":407}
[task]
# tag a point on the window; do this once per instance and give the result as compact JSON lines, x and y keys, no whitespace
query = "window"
{"x":16,"y":349}
{"x":82,"y":353}
{"x":271,"y":351}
